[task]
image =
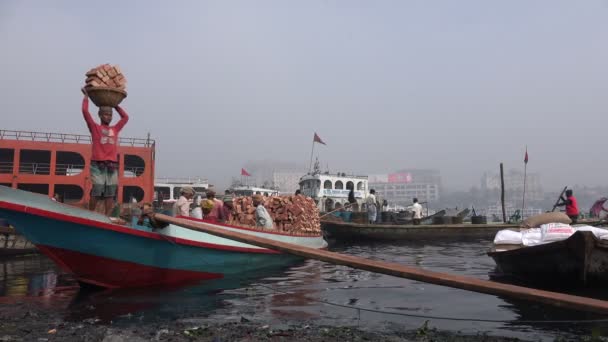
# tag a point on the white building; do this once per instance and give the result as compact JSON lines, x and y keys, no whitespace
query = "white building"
{"x":514,"y":185}
{"x":401,"y":187}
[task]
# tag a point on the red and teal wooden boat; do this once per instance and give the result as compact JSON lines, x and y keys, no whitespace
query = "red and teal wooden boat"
{"x":102,"y":253}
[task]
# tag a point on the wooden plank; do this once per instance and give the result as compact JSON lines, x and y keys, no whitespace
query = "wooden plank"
{"x":432,"y":277}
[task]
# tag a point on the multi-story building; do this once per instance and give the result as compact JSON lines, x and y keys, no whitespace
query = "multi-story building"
{"x":401,"y":187}
{"x":514,"y":185}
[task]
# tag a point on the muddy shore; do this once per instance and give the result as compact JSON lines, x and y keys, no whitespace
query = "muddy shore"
{"x":26,"y":322}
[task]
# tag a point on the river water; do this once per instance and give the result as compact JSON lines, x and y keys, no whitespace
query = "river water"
{"x":315,"y":293}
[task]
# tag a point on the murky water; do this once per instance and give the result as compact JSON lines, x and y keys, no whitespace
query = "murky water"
{"x":313,"y":292}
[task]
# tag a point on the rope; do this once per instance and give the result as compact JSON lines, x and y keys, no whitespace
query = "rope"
{"x":445,"y":318}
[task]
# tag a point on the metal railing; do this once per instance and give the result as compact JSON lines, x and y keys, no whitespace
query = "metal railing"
{"x":6,"y":167}
{"x":68,"y":138}
{"x":35,"y":168}
{"x":181,"y":180}
{"x":68,"y":169}
{"x":134,"y":171}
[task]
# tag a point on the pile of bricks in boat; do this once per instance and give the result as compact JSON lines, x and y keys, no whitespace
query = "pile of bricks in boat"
{"x":290,"y":214}
{"x":106,"y":75}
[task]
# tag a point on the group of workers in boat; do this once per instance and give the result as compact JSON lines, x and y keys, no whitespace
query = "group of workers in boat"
{"x":215,"y":210}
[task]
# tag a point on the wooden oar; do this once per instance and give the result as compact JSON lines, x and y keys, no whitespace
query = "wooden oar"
{"x":456,"y":281}
{"x":559,"y":198}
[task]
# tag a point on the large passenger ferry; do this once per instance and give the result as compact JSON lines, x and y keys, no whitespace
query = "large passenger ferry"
{"x":329,"y":189}
{"x":59,"y":163}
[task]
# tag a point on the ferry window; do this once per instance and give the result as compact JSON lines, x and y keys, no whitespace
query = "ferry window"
{"x":350,"y":185}
{"x":7,"y":158}
{"x":327,"y":184}
{"x":163,"y":191}
{"x":339,"y":185}
{"x":129,"y":192}
{"x":134,"y":166}
{"x":69,"y":163}
{"x":199,"y":189}
{"x":37,"y":188}
{"x":70,"y":193}
{"x":360,"y":186}
{"x":35,"y":162}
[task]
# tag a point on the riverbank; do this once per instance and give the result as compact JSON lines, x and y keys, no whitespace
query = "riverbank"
{"x":27,"y":322}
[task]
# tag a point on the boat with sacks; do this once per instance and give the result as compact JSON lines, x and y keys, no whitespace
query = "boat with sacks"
{"x":102,"y":253}
{"x":553,"y":253}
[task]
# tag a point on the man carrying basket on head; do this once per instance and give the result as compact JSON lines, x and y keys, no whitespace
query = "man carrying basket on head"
{"x":104,"y":156}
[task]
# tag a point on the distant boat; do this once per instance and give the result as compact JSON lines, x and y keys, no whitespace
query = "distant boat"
{"x":105,"y":254}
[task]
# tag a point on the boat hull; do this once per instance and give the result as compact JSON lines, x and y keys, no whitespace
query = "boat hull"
{"x":343,"y":231}
{"x":110,"y":255}
{"x":582,"y":259}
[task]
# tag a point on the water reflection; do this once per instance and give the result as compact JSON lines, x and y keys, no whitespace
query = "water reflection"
{"x":312,"y":291}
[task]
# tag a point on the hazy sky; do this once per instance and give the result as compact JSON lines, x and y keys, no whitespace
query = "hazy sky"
{"x":454,"y":85}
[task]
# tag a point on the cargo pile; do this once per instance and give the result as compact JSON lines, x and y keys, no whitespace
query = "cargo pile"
{"x":290,"y":214}
{"x":106,"y":76}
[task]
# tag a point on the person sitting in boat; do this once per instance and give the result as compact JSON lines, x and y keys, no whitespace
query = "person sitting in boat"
{"x":227,"y":209}
{"x":216,"y":211}
{"x":182,"y":206}
{"x":104,"y":158}
{"x":197,"y":211}
{"x":207,"y":207}
{"x":262,"y":217}
{"x":417,"y":209}
{"x":298,"y":192}
{"x":370,"y":203}
{"x":571,"y":206}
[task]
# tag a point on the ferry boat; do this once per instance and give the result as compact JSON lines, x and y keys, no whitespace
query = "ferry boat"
{"x":248,"y":190}
{"x":328,"y":189}
{"x":167,"y":189}
{"x":59,"y":163}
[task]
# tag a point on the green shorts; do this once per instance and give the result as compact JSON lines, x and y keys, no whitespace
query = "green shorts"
{"x":104,"y":176}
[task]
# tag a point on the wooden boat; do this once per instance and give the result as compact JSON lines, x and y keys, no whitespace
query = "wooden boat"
{"x":102,"y":253}
{"x":582,"y":259}
{"x":347,"y":231}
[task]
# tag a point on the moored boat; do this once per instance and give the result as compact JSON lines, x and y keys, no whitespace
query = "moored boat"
{"x":348,"y":231}
{"x":581,"y":259}
{"x":100,"y":252}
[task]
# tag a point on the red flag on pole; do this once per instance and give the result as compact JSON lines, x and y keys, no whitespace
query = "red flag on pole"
{"x":318,"y":139}
{"x":245,"y":173}
{"x":526,"y":157}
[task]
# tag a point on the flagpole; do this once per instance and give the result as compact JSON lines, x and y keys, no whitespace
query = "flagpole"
{"x":523,"y":201}
{"x":311,"y":153}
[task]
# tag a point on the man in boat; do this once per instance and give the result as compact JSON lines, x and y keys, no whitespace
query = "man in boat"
{"x":370,"y":203}
{"x":216,"y":211}
{"x":227,"y":209}
{"x":298,"y":192}
{"x":182,"y":206}
{"x":598,"y":207}
{"x":104,"y":157}
{"x":262,"y":217}
{"x":417,"y":209}
{"x":571,"y":206}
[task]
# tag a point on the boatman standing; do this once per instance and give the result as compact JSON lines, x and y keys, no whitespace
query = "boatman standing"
{"x":104,"y":156}
{"x":571,"y":206}
{"x":370,"y":203}
{"x":417,"y":209}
